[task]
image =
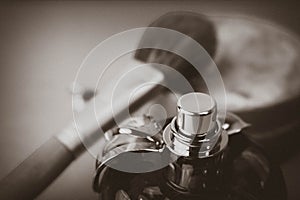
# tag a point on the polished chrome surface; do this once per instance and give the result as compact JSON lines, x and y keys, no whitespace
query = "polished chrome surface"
{"x":125,"y":139}
{"x":140,"y":134}
{"x":195,"y":131}
{"x":196,"y":114}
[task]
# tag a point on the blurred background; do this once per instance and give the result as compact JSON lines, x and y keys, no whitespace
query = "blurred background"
{"x":44,"y":43}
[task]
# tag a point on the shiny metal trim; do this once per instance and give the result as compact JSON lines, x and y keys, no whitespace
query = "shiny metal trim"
{"x":180,"y":145}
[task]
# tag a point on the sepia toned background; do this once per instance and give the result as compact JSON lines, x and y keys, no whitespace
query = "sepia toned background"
{"x":42,"y":45}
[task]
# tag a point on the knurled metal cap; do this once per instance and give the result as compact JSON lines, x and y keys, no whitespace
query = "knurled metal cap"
{"x":196,"y":114}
